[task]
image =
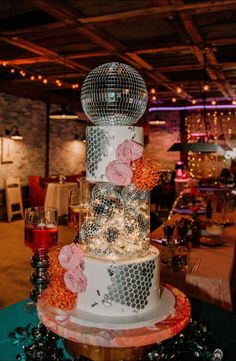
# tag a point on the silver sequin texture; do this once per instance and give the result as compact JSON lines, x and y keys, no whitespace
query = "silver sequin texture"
{"x":130,"y":284}
{"x":97,"y":144}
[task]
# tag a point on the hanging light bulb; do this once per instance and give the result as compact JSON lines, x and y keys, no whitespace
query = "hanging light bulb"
{"x":173,"y":100}
{"x":153,"y":91}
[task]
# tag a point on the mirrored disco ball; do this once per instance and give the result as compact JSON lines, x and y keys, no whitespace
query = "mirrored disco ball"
{"x":114,"y":94}
{"x":134,"y":196}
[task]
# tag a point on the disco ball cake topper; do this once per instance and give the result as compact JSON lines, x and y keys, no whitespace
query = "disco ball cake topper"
{"x":114,"y":94}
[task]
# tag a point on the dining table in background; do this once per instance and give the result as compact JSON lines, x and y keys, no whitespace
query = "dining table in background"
{"x":58,"y":196}
{"x":210,"y":275}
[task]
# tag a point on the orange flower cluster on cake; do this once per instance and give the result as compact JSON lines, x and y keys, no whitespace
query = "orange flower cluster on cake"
{"x":67,"y":279}
{"x":146,"y":173}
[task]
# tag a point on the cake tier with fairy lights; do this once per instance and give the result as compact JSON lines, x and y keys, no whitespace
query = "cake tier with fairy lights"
{"x":113,"y":273}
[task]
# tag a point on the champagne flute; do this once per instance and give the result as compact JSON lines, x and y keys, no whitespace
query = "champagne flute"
{"x":41,"y":234}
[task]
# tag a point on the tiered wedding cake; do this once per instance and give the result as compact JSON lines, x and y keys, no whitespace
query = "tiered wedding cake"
{"x":114,"y":272}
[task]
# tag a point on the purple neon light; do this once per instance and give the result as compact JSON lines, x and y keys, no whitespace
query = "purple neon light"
{"x":193,"y":107}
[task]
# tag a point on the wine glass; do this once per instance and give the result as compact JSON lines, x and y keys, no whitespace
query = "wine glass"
{"x":74,"y":209}
{"x":41,"y":234}
{"x":79,"y":206}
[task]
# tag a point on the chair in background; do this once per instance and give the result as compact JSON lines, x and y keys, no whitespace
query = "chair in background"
{"x":37,"y":191}
{"x":13,"y":197}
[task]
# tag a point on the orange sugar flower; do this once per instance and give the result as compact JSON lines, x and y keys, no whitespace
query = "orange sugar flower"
{"x":59,"y":296}
{"x":55,"y":270}
{"x":146,"y":173}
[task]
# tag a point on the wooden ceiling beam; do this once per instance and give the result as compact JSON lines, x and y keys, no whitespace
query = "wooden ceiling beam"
{"x":39,"y":50}
{"x":101,"y":39}
{"x":143,"y":64}
{"x":105,"y":41}
{"x":163,"y":49}
{"x":215,"y":73}
{"x":213,"y":61}
{"x":121,"y":16}
{"x":67,"y":75}
{"x":63,"y":11}
{"x":59,"y":9}
{"x":199,"y":7}
{"x":176,"y":68}
{"x":223,"y":42}
{"x":41,"y":29}
{"x":69,"y":15}
{"x":229,"y":65}
{"x":90,"y":54}
{"x":25,"y":61}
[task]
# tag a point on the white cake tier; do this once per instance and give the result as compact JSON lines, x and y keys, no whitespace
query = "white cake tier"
{"x":101,"y":145}
{"x":119,"y":288}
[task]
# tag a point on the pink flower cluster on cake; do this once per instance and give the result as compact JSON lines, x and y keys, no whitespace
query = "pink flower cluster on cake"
{"x":71,"y":258}
{"x":128,"y":151}
{"x":119,"y":171}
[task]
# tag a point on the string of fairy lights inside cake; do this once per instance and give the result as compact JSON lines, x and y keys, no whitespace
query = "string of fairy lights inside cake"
{"x":32,"y":76}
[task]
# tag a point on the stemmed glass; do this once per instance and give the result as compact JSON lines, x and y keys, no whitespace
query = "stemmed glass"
{"x":79,"y":206}
{"x":41,"y":234}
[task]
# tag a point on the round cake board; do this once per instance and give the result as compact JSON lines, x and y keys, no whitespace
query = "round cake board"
{"x":103,"y":344}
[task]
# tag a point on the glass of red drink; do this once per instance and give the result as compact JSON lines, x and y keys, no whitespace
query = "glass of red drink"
{"x":41,"y":228}
{"x":41,"y":234}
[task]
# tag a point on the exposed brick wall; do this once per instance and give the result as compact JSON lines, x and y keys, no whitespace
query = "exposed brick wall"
{"x":66,"y":154}
{"x":29,"y":154}
{"x":161,"y":138}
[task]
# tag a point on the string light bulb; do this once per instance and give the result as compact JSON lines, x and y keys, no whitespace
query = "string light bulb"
{"x":206,"y":87}
{"x":179,"y":90}
{"x":35,"y":77}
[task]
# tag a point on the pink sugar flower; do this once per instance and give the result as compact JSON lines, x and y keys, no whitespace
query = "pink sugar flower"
{"x":71,"y":257}
{"x":75,"y":281}
{"x":118,"y":173}
{"x":129,"y":151}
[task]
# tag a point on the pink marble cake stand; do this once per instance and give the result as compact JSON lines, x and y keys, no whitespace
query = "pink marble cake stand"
{"x":100,"y":344}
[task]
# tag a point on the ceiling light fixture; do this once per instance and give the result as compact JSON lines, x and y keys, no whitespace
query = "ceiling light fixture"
{"x":204,"y":143}
{"x":64,"y":113}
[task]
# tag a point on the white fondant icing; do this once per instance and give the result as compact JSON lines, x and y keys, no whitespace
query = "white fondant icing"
{"x":101,"y":145}
{"x":121,"y":287}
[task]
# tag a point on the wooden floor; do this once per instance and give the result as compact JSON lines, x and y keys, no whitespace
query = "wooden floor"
{"x":15,"y":266}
